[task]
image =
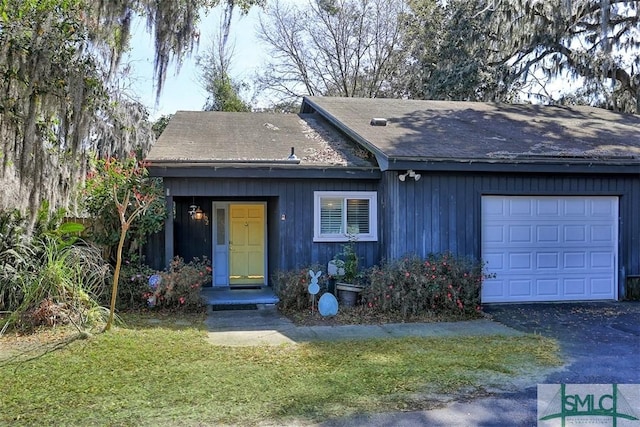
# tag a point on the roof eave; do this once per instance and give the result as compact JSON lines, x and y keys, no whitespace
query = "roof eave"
{"x":243,"y":162}
{"x":555,"y":165}
{"x":261,"y":171}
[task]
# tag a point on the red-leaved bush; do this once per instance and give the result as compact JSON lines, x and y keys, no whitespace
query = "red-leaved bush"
{"x":441,"y":284}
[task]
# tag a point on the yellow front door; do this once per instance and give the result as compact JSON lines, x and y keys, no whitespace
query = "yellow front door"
{"x":246,"y":245}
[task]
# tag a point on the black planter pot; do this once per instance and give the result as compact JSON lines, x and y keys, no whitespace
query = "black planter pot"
{"x":348,"y":294}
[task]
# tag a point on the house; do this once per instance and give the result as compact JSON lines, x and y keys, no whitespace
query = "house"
{"x":546,"y":196}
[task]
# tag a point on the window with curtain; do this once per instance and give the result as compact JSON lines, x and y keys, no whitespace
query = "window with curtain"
{"x":340,"y":216}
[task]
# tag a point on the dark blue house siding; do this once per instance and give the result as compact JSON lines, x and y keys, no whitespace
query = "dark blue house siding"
{"x":441,"y":211}
{"x":290,"y":241}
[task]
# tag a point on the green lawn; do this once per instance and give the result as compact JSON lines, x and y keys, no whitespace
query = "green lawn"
{"x":161,"y":375}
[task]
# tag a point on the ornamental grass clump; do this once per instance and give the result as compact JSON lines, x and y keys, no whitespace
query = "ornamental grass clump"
{"x":441,"y":285}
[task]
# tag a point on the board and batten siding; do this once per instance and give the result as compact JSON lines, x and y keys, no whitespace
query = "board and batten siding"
{"x":290,"y":240}
{"x":441,"y":212}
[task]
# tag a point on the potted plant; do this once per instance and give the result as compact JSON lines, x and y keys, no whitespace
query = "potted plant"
{"x":348,"y":275}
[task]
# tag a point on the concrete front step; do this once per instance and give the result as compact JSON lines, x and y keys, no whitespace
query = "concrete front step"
{"x":231,"y":296}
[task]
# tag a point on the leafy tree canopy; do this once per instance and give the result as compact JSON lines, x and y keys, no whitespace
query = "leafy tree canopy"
{"x":448,"y":53}
{"x":595,"y":41}
{"x":59,"y":93}
{"x":160,"y":124}
{"x":223,"y":91}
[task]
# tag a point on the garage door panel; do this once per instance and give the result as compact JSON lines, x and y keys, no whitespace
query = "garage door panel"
{"x":601,"y":260}
{"x":494,"y":207}
{"x":494,"y":289}
{"x":520,"y":234}
{"x":520,"y":288}
{"x":575,"y":207}
{"x":548,"y":288}
{"x":601,"y":286}
{"x":547,"y":260}
{"x":549,"y":248}
{"x":496,"y":233}
{"x":574,"y":233}
{"x":575,"y":287}
{"x":548,"y":207}
{"x":495,"y":259}
{"x":574,"y":260}
{"x":548,"y":233}
{"x":519,"y":208}
{"x":606,"y":208}
{"x":519,"y":262}
{"x":602,"y":233}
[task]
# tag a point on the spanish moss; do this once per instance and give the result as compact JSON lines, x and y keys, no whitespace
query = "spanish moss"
{"x":60,"y":102}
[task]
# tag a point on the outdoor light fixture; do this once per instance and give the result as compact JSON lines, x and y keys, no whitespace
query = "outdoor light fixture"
{"x":411,"y":174}
{"x":196,"y":213}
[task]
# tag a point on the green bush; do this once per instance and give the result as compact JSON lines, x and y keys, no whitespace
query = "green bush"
{"x":292,"y":288}
{"x":99,"y":201}
{"x":179,"y":287}
{"x":441,"y":285}
{"x":133,"y":286}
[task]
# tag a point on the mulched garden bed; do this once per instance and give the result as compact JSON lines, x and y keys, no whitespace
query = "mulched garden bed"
{"x":360,"y":315}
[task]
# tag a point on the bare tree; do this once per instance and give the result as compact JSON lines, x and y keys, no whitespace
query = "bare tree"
{"x":332,"y":47}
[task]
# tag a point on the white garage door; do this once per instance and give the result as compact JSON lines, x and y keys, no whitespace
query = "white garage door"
{"x":549,"y":248}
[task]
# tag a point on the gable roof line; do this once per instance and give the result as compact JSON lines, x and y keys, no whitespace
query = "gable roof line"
{"x":456,"y":132}
{"x":308,"y":106}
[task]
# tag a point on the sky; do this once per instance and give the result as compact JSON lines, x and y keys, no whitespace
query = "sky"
{"x":182,"y":91}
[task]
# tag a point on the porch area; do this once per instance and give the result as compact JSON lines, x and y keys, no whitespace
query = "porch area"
{"x":229,"y":296}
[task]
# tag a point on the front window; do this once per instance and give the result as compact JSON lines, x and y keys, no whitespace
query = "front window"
{"x":340,"y":216}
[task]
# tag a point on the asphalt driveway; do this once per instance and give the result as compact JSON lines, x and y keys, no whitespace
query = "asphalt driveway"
{"x":600,"y":342}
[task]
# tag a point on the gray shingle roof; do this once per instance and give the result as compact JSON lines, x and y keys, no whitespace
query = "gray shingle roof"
{"x":221,"y":137}
{"x":441,"y":130}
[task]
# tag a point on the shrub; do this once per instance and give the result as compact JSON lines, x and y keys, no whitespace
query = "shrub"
{"x":292,"y":288}
{"x":126,"y":176}
{"x":133,"y":285}
{"x":441,"y":285}
{"x":180,"y":285}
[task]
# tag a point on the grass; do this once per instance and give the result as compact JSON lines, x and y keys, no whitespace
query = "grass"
{"x":163,"y":374}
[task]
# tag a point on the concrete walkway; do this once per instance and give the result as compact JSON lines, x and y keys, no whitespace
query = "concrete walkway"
{"x":265,"y":326}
